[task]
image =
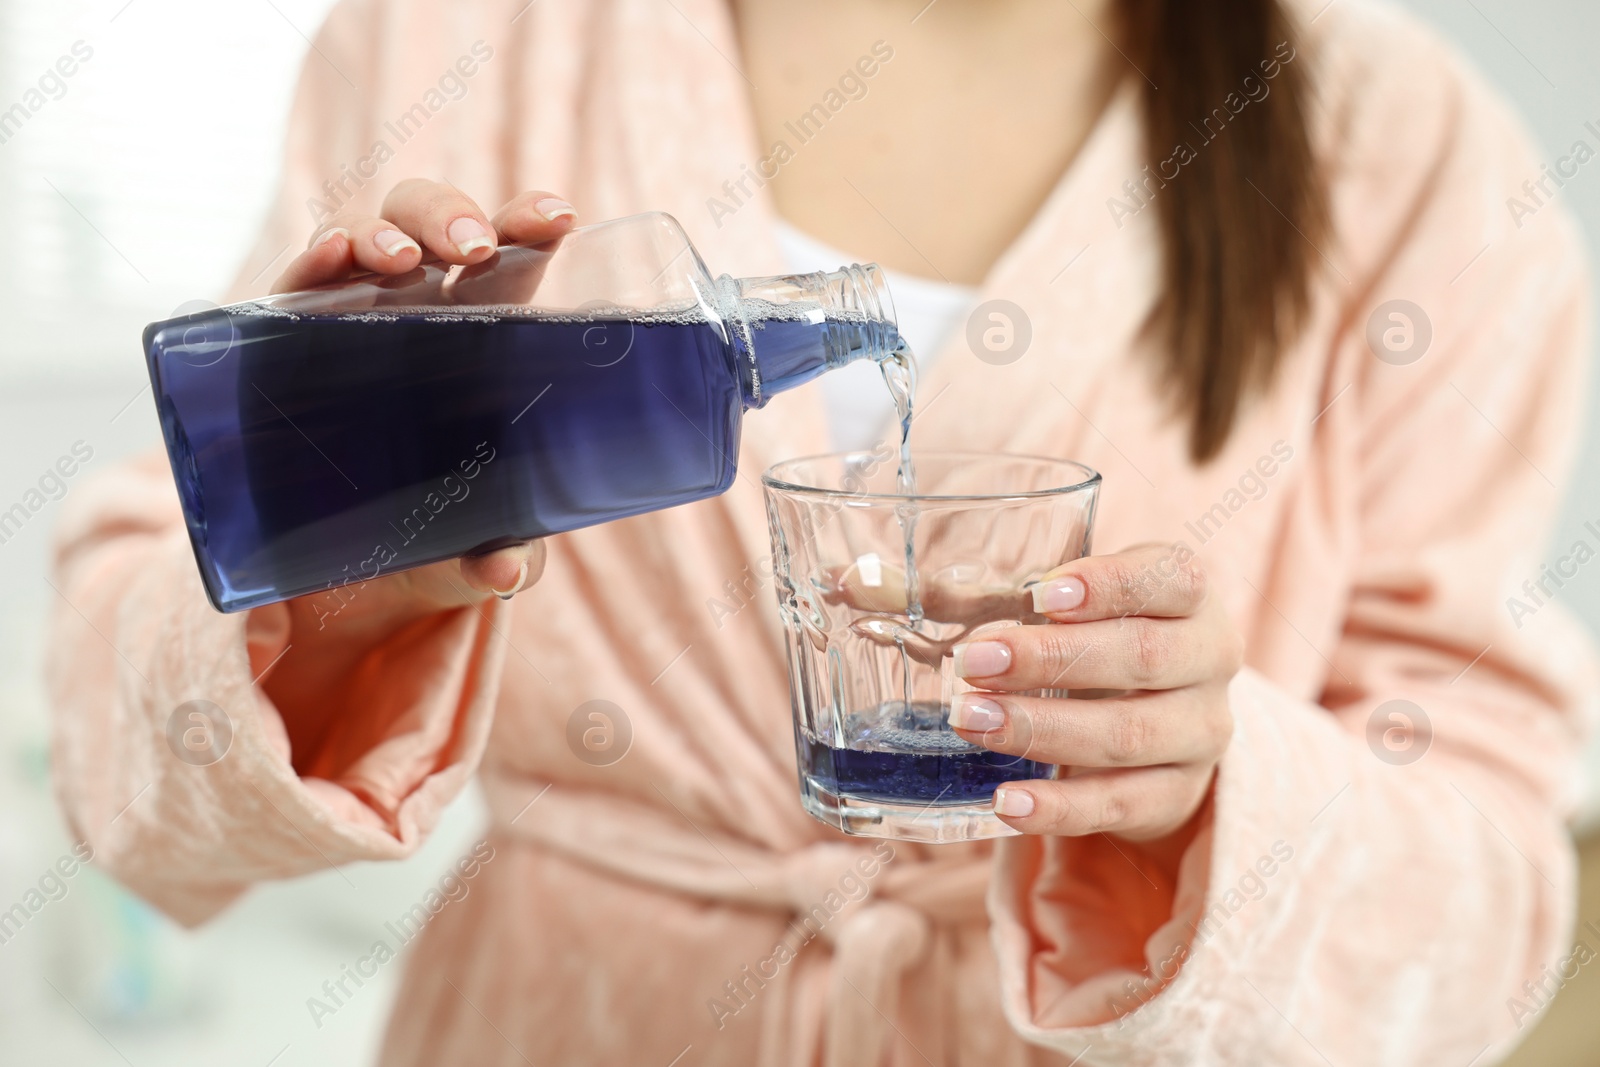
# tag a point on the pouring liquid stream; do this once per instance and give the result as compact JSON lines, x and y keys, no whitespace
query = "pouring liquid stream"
{"x":900,"y":375}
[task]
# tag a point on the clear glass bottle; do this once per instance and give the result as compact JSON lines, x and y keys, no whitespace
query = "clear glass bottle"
{"x":343,"y":433}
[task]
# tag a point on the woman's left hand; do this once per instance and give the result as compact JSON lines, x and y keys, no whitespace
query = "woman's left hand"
{"x":1139,"y":762}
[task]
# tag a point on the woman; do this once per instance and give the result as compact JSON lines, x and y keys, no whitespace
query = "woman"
{"x":1274,"y":293}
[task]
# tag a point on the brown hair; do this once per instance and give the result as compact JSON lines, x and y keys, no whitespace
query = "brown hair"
{"x":1239,"y":196}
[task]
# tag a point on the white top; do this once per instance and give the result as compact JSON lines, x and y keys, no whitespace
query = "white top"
{"x":928,"y":313}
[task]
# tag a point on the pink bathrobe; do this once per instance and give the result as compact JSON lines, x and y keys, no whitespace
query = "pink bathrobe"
{"x":1370,"y":526}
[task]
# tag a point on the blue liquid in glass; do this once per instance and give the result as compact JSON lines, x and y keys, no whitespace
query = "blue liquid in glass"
{"x":312,"y":451}
{"x":906,"y":754}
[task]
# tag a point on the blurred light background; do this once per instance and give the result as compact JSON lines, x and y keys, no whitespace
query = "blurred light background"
{"x":137,"y":186}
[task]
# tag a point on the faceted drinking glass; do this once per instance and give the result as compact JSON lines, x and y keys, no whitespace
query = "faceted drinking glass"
{"x":870,"y":671}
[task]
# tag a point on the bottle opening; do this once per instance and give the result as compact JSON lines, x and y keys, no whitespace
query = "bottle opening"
{"x":788,"y":329}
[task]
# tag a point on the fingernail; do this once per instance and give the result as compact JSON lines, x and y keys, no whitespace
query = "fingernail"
{"x":328,"y":235}
{"x":974,"y":713}
{"x":393,"y":242}
{"x":1013,"y":802}
{"x":522,"y":576}
{"x":1058,"y":594}
{"x":981,"y":659}
{"x":553,"y":208}
{"x":468,"y":235}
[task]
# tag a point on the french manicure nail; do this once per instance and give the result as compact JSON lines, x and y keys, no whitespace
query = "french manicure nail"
{"x":393,"y":242}
{"x":522,"y":576}
{"x":1058,"y":594}
{"x":1013,"y":802}
{"x":553,"y":208}
{"x":981,"y":659}
{"x":468,"y":235}
{"x":974,"y":713}
{"x":328,"y":235}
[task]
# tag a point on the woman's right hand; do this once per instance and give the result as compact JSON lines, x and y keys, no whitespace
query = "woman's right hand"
{"x":422,"y":219}
{"x":435,"y":220}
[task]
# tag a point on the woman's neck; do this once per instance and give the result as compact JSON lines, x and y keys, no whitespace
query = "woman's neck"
{"x":923,"y":136}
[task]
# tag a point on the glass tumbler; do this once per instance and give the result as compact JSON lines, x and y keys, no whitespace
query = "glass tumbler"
{"x":876,"y":587}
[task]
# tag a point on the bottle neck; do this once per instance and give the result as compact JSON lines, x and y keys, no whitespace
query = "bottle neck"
{"x":788,"y":329}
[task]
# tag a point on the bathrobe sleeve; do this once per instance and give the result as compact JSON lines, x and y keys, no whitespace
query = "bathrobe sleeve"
{"x":169,"y":757}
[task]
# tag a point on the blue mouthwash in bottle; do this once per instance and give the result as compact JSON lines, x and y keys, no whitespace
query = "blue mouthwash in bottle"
{"x":336,"y":435}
